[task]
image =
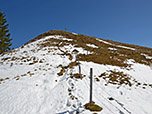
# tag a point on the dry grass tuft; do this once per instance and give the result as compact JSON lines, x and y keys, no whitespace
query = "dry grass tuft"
{"x":78,"y":76}
{"x":1,"y":80}
{"x":116,"y":78}
{"x":61,"y":72}
{"x":93,"y":107}
{"x":72,"y":64}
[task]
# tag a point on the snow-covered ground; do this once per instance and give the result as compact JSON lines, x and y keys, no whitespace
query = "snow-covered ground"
{"x":116,"y":45}
{"x":92,"y":45}
{"x":31,"y":84}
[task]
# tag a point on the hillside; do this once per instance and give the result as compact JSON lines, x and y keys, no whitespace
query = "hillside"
{"x":42,"y":76}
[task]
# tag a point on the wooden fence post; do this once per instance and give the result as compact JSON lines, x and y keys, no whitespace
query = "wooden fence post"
{"x":79,"y":66}
{"x":91,"y":73}
{"x":79,"y":70}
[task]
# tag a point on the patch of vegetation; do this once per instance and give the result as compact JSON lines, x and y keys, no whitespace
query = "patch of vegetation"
{"x":17,"y":77}
{"x":97,"y":79}
{"x":92,"y":107}
{"x":30,"y":73}
{"x":78,"y":76}
{"x":6,"y":58}
{"x":72,"y":64}
{"x":49,"y":42}
{"x":2,"y":80}
{"x":40,"y":61}
{"x":65,"y":53}
{"x":62,"y":71}
{"x":24,"y":75}
{"x":116,"y":78}
{"x":103,"y":59}
{"x":101,"y":55}
{"x":70,"y":56}
{"x":119,"y":78}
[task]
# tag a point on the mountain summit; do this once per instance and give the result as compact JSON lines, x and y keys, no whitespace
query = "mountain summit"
{"x":50,"y":74}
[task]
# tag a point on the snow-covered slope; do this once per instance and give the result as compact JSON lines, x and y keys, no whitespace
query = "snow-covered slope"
{"x":42,"y":77}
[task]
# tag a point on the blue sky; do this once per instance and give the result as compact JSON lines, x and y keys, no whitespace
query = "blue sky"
{"x":127,"y":21}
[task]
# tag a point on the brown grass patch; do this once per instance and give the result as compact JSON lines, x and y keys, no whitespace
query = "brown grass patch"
{"x":102,"y":55}
{"x":6,"y":78}
{"x":61,"y":72}
{"x":92,"y":107}
{"x":72,"y":64}
{"x":17,"y":78}
{"x":31,"y":74}
{"x":103,"y":59}
{"x":78,"y":76}
{"x":4,"y":59}
{"x":1,"y":79}
{"x":116,"y":78}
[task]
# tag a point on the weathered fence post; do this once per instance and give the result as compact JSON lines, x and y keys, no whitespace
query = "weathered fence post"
{"x":79,"y":70}
{"x":79,"y":66}
{"x":91,"y":73}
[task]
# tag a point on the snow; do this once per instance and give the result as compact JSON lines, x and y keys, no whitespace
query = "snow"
{"x":112,"y":48}
{"x":45,"y":92}
{"x":147,"y":56}
{"x":74,"y":33}
{"x":92,"y":45}
{"x":104,"y":41}
{"x":116,"y":45}
{"x":125,"y":47}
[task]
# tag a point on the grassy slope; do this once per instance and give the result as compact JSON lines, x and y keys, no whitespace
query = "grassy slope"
{"x":102,"y":54}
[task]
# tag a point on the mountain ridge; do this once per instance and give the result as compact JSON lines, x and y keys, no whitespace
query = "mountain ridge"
{"x":43,"y":77}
